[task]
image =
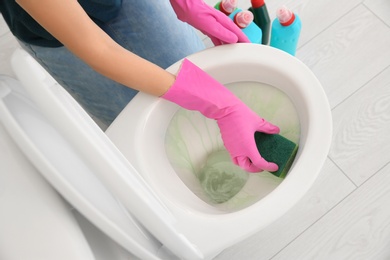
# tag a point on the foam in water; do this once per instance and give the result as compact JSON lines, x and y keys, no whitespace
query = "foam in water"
{"x":191,"y":138}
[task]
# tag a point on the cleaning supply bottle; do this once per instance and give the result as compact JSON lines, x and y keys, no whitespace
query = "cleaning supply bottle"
{"x":285,"y":31}
{"x":261,"y":18}
{"x":226,"y":6}
{"x":244,"y":20}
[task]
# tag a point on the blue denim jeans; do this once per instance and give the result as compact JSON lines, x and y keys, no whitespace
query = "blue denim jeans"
{"x":149,"y":29}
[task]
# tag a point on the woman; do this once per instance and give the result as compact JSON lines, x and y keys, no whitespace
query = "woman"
{"x":104,"y":51}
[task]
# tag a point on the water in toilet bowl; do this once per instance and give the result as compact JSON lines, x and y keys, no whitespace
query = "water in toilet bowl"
{"x":191,"y":138}
{"x":220,"y":178}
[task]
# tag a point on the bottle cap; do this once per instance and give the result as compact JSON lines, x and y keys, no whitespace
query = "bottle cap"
{"x":228,"y":6}
{"x":285,"y":16}
{"x":243,"y":19}
{"x":257,"y":3}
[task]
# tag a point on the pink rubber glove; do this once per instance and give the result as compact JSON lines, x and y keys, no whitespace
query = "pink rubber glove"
{"x":210,"y":21}
{"x":196,"y":90}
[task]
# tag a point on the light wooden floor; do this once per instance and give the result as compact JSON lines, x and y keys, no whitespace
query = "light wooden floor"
{"x":346,"y":214}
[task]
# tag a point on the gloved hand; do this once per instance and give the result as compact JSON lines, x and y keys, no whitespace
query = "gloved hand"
{"x":194,"y":89}
{"x":210,"y":21}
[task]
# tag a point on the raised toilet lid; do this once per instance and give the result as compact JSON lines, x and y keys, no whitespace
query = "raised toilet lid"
{"x":83,"y":165}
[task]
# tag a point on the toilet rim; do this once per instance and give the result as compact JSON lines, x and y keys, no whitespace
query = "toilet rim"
{"x":227,"y":228}
{"x":307,"y":95}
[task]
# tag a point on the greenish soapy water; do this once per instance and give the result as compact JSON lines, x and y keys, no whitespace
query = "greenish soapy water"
{"x":220,"y":178}
{"x":191,"y":138}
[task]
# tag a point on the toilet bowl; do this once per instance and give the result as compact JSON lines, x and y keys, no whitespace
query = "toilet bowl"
{"x":256,"y":73}
{"x":129,"y":183}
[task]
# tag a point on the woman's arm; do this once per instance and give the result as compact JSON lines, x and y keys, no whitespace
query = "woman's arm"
{"x":67,"y":21}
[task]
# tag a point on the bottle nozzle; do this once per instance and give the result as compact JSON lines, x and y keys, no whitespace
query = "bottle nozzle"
{"x":228,"y":6}
{"x":285,"y":16}
{"x":243,"y":18}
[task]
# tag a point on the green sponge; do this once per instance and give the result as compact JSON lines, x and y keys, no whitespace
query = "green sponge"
{"x":278,"y":149}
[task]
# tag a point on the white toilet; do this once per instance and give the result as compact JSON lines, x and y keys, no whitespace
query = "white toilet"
{"x":134,"y":183}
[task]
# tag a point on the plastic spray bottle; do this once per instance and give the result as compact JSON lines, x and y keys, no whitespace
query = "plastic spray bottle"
{"x":261,"y":18}
{"x":226,"y":6}
{"x":285,"y":31}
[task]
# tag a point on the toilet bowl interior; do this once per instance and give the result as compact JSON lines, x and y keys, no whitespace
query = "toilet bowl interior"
{"x":182,"y":148}
{"x":191,"y":139}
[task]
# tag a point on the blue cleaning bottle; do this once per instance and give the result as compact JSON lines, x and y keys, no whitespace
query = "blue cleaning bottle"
{"x":244,"y":20}
{"x":285,"y":30}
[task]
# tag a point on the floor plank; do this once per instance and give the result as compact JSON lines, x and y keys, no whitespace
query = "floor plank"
{"x":348,"y":54}
{"x":316,"y":203}
{"x":361,"y":141}
{"x":358,"y":228}
{"x":381,"y":8}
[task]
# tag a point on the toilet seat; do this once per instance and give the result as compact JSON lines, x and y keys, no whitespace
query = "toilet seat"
{"x":188,"y":227}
